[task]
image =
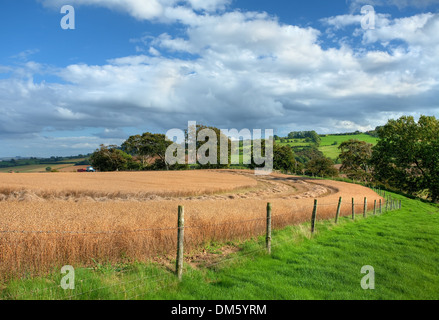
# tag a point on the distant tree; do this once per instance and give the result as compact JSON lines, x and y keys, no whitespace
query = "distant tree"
{"x":407,"y":155}
{"x":374,"y":133}
{"x":85,"y":162}
{"x":283,"y":158}
{"x":321,"y":167}
{"x":148,"y":146}
{"x":314,"y":137}
{"x":306,"y":154}
{"x":48,"y":169}
{"x":309,"y":136}
{"x":193,"y":137}
{"x":133,"y":147}
{"x":110,"y":159}
{"x":355,"y":157}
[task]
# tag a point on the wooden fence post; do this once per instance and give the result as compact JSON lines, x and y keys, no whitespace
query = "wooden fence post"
{"x":353,"y":209}
{"x":338,"y":210}
{"x":268,"y":238}
{"x":365,"y":207}
{"x":180,"y":241}
{"x":374,"y":207}
{"x":314,"y":217}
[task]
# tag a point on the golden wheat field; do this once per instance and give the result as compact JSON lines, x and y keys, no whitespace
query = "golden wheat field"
{"x":119,"y":184}
{"x":54,"y":219}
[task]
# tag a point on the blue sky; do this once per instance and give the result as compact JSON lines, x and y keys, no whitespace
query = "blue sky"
{"x":153,"y":65}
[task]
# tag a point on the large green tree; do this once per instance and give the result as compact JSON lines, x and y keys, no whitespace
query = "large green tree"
{"x":199,"y":138}
{"x":321,"y":166}
{"x":407,"y":155}
{"x":148,"y":146}
{"x":110,"y":158}
{"x":355,"y":157}
{"x":283,"y":158}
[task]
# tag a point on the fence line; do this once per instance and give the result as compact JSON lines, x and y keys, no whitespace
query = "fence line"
{"x":270,"y":218}
{"x":384,"y":205}
{"x":86,"y":233}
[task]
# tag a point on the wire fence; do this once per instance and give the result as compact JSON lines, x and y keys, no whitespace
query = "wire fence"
{"x":129,"y":288}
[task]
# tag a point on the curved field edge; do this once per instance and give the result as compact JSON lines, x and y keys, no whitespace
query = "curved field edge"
{"x":401,"y":245}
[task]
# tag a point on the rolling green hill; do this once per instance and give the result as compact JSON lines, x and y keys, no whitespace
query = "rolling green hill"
{"x":329,"y":143}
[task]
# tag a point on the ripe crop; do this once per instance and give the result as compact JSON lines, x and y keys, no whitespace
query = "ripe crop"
{"x":50,"y":220}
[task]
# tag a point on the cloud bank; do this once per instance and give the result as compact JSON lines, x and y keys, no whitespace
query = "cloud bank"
{"x":245,"y":70}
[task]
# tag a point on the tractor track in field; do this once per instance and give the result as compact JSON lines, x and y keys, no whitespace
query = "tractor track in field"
{"x":274,"y":186}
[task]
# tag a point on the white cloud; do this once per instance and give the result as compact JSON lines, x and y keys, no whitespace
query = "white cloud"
{"x":251,"y":71}
{"x":416,"y":30}
{"x":150,"y":9}
{"x":400,"y":4}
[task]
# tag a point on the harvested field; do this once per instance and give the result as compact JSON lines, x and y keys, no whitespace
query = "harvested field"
{"x":49,"y":232}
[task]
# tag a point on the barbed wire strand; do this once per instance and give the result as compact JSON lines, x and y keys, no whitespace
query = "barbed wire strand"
{"x":57,"y":232}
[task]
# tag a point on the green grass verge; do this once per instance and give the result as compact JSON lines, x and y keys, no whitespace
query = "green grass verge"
{"x":402,"y":246}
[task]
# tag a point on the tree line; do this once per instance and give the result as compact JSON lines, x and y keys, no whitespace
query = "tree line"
{"x":406,"y":156}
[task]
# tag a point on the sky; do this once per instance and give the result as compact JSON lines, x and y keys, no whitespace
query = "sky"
{"x":131,"y":66}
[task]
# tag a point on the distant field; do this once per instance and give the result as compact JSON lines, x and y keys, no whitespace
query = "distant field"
{"x":64,"y":167}
{"x":330,"y":139}
{"x":327,"y":145}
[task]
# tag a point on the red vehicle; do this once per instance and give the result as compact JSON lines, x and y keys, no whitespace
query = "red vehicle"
{"x":88,"y":169}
